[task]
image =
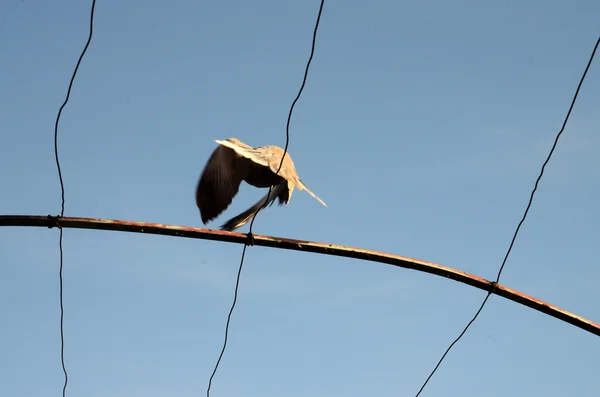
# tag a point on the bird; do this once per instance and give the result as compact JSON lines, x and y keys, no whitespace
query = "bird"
{"x":232,"y":162}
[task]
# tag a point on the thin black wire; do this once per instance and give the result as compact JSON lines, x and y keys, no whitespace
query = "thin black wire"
{"x":62,"y":209}
{"x":287,"y":140}
{"x":287,"y":127}
{"x":493,"y":285}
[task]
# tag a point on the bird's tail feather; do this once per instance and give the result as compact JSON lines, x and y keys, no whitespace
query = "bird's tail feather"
{"x":302,"y":186}
{"x":246,"y":216}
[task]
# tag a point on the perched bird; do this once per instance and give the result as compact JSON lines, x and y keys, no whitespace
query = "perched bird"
{"x":233,"y":162}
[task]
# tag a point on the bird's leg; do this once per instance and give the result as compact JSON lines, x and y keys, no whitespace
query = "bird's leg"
{"x":250,"y":239}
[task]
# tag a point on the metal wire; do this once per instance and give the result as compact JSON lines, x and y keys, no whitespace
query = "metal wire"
{"x":62,"y":207}
{"x":287,"y":127}
{"x":309,"y":246}
{"x":520,"y":223}
{"x":250,"y":236}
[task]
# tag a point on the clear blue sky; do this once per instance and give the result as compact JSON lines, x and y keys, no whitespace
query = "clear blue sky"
{"x":423,"y":126}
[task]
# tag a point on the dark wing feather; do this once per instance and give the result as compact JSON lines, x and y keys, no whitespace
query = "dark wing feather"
{"x":219,"y":183}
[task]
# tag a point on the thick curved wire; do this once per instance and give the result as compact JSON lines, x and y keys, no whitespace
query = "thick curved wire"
{"x":308,"y":246}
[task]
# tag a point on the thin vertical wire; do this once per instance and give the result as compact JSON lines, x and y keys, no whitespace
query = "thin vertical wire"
{"x":62,"y":208}
{"x":287,"y":139}
{"x":287,"y":126}
{"x":520,"y":223}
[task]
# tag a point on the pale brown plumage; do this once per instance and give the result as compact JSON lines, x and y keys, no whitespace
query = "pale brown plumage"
{"x":233,"y":162}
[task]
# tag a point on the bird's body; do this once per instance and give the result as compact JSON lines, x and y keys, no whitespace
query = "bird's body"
{"x":233,"y":162}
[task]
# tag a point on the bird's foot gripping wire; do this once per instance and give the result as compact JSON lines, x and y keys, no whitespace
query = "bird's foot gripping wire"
{"x":250,"y":239}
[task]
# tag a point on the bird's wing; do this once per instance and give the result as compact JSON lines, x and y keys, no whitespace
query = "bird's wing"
{"x":246,"y":216}
{"x":255,"y":155}
{"x":302,"y":186}
{"x":270,"y":156}
{"x":219,"y":183}
{"x":267,"y":156}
